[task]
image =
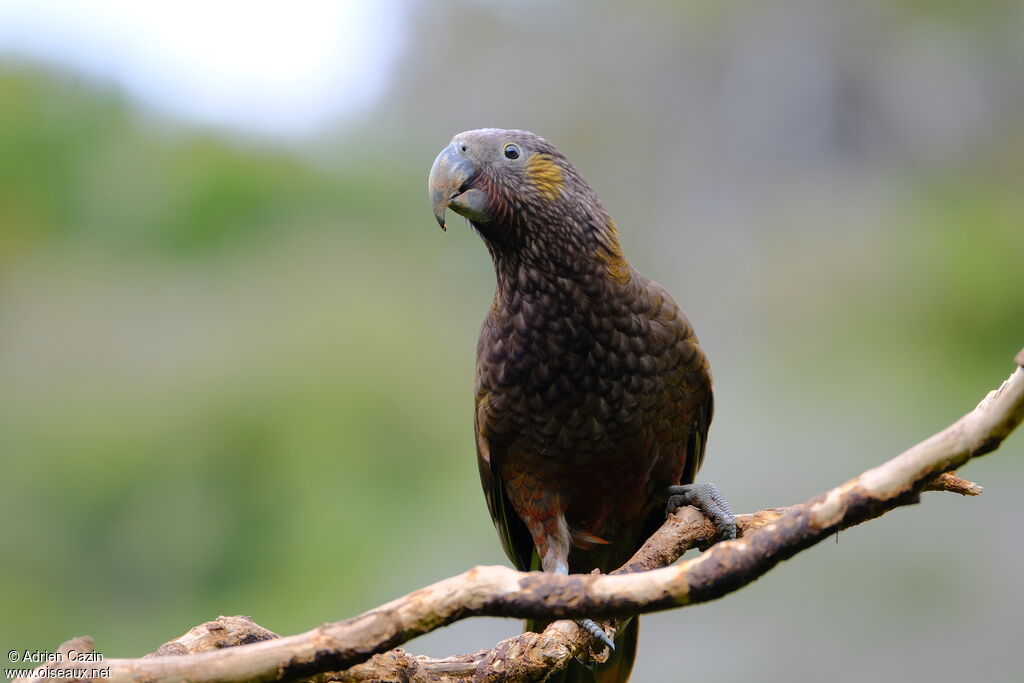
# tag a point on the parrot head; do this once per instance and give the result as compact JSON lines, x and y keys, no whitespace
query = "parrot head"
{"x":526,"y":200}
{"x":496,"y":178}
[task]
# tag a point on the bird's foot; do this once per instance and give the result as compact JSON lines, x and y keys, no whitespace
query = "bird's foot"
{"x":593,"y":629}
{"x":708,"y":499}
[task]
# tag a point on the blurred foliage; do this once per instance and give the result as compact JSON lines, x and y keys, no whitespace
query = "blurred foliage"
{"x":70,"y":154}
{"x":236,"y":376}
{"x":200,"y":379}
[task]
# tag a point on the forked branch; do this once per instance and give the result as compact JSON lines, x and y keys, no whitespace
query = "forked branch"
{"x":644,"y":584}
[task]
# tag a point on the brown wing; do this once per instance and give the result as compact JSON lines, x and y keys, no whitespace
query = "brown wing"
{"x":698,"y":439}
{"x":515,"y":537}
{"x":686,"y":400}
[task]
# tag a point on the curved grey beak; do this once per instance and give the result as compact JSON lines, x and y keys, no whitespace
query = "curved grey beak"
{"x":449,"y":175}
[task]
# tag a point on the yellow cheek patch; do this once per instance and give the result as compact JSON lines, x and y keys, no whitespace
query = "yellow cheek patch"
{"x":610,"y":254}
{"x":545,"y":175}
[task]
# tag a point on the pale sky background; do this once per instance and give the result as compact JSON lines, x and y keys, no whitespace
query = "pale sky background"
{"x":274,"y":68}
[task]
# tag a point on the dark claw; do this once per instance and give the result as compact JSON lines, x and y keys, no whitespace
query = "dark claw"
{"x":708,"y":499}
{"x":593,"y":629}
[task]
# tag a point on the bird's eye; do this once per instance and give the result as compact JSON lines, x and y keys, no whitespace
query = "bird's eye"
{"x":511,"y":151}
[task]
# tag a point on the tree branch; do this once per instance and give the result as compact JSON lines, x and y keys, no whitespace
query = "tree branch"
{"x":644,"y":584}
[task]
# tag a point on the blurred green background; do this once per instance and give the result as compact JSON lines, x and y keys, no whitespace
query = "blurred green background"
{"x":236,"y":366}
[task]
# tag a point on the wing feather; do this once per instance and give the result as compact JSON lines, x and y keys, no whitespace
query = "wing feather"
{"x":515,"y":537}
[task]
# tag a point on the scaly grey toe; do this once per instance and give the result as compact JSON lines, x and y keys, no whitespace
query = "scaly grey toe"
{"x":708,"y":499}
{"x":593,"y":629}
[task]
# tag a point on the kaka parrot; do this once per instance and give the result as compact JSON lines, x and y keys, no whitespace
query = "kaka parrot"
{"x":593,"y":396}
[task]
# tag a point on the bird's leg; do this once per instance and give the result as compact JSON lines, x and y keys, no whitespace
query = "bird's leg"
{"x":708,"y":499}
{"x":555,"y":560}
{"x":588,"y":625}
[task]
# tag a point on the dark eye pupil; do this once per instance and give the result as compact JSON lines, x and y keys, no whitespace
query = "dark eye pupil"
{"x":512,"y":152}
